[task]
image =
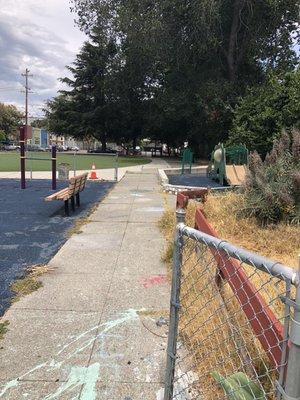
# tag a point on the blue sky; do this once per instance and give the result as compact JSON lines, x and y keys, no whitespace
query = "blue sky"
{"x":39,"y":35}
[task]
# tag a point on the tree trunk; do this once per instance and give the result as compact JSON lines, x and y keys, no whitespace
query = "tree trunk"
{"x":232,"y":53}
{"x":103,"y":144}
{"x":134,"y":143}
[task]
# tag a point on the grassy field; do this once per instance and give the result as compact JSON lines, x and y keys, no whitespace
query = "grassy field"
{"x":10,"y":161}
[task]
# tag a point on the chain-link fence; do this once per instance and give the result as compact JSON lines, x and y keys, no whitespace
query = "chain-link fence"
{"x":234,"y":328}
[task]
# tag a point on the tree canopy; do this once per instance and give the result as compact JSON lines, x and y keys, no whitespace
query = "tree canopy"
{"x":10,"y":120}
{"x":265,"y":111}
{"x":174,"y":70}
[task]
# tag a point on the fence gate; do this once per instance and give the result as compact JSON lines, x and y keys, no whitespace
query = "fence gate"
{"x":234,"y":326}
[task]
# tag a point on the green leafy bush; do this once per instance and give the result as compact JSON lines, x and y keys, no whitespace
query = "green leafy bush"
{"x":272,"y":187}
{"x":262,"y":114}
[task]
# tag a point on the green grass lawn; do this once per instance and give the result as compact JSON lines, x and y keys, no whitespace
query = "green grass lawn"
{"x":10,"y":161}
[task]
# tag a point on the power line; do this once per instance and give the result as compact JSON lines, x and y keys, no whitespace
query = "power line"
{"x":12,"y":89}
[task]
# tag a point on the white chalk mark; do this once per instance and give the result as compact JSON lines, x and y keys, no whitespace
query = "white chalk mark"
{"x":56,"y":362}
{"x":86,"y":376}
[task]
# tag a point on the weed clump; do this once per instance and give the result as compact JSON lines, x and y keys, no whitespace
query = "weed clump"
{"x":3,"y":328}
{"x":29,"y":283}
{"x":272,"y":187}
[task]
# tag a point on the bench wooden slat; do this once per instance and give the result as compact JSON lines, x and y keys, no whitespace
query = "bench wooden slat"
{"x":56,"y":195}
{"x":76,"y":185}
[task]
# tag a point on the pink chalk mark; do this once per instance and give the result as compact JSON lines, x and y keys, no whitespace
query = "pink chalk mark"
{"x":154,"y":280}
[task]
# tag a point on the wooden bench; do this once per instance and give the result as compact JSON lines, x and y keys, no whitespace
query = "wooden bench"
{"x":76,"y":185}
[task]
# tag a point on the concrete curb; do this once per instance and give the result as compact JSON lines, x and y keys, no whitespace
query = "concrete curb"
{"x":164,"y":180}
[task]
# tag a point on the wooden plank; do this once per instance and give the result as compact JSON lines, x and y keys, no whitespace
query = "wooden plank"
{"x":235,"y":174}
{"x":55,"y":195}
{"x":184,"y":196}
{"x":64,"y":196}
{"x":77,"y":183}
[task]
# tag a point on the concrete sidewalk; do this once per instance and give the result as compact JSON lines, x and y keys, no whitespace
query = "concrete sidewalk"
{"x":90,"y":332}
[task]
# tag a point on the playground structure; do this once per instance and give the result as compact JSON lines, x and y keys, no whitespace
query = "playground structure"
{"x":26,"y":133}
{"x":187,"y":160}
{"x":228,"y":165}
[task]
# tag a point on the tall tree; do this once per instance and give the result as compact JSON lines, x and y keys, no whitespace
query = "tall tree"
{"x":87,"y":108}
{"x":192,"y":60}
{"x":10,"y":120}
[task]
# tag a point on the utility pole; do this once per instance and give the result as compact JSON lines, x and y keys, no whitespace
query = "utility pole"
{"x":27,"y":88}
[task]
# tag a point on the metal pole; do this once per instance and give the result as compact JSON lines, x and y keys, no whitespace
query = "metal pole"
{"x":180,"y":215}
{"x":30,"y":163}
{"x":116,"y":167}
{"x":292,"y":385}
{"x":53,"y":167}
{"x":22,"y":157}
{"x":174,"y":315}
{"x":74,"y":163}
{"x":26,"y":75}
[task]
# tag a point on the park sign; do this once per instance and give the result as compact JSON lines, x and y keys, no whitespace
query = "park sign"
{"x":25,"y":132}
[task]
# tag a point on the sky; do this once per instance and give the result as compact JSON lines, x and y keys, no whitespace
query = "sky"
{"x":39,"y":35}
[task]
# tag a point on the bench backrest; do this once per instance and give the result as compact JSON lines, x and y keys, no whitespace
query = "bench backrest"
{"x":77,"y":184}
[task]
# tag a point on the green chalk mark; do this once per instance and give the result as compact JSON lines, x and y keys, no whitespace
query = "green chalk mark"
{"x":86,"y":376}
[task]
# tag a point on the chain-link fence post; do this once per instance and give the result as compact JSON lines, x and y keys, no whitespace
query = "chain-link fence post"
{"x":180,"y":215}
{"x":292,"y":386}
{"x":174,"y":308}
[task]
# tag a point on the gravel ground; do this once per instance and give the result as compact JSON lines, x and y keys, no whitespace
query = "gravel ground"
{"x":31,"y":230}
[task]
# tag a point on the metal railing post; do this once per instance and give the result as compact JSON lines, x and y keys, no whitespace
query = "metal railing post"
{"x":22,"y":157}
{"x":116,"y":167}
{"x":292,"y":383}
{"x":74,"y":162}
{"x":53,"y":158}
{"x":180,"y":215}
{"x":174,"y":313}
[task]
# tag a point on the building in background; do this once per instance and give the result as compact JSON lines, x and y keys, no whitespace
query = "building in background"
{"x":40,"y":137}
{"x":57,"y":139}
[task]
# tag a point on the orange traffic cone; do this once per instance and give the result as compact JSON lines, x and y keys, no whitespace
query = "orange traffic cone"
{"x":93,"y":172}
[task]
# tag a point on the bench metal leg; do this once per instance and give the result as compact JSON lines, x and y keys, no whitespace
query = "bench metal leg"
{"x":67,"y":208}
{"x":73,"y":203}
{"x":77,"y":200}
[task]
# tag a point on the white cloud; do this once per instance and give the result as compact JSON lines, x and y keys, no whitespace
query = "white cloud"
{"x":39,"y":35}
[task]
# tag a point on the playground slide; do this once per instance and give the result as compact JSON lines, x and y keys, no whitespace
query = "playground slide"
{"x":235,"y":174}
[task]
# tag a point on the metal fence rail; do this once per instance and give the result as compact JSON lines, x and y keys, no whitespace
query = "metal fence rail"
{"x":234,"y":329}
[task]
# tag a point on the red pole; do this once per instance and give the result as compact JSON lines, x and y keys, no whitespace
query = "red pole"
{"x":53,"y":167}
{"x":22,"y":156}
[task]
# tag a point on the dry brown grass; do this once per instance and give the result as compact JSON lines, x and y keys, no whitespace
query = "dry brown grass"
{"x":29,"y":283}
{"x":213,"y":327}
{"x":279,"y":242}
{"x":76,"y":228}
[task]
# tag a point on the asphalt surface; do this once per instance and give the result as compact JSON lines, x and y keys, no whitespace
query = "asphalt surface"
{"x":31,"y":230}
{"x":200,"y":180}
